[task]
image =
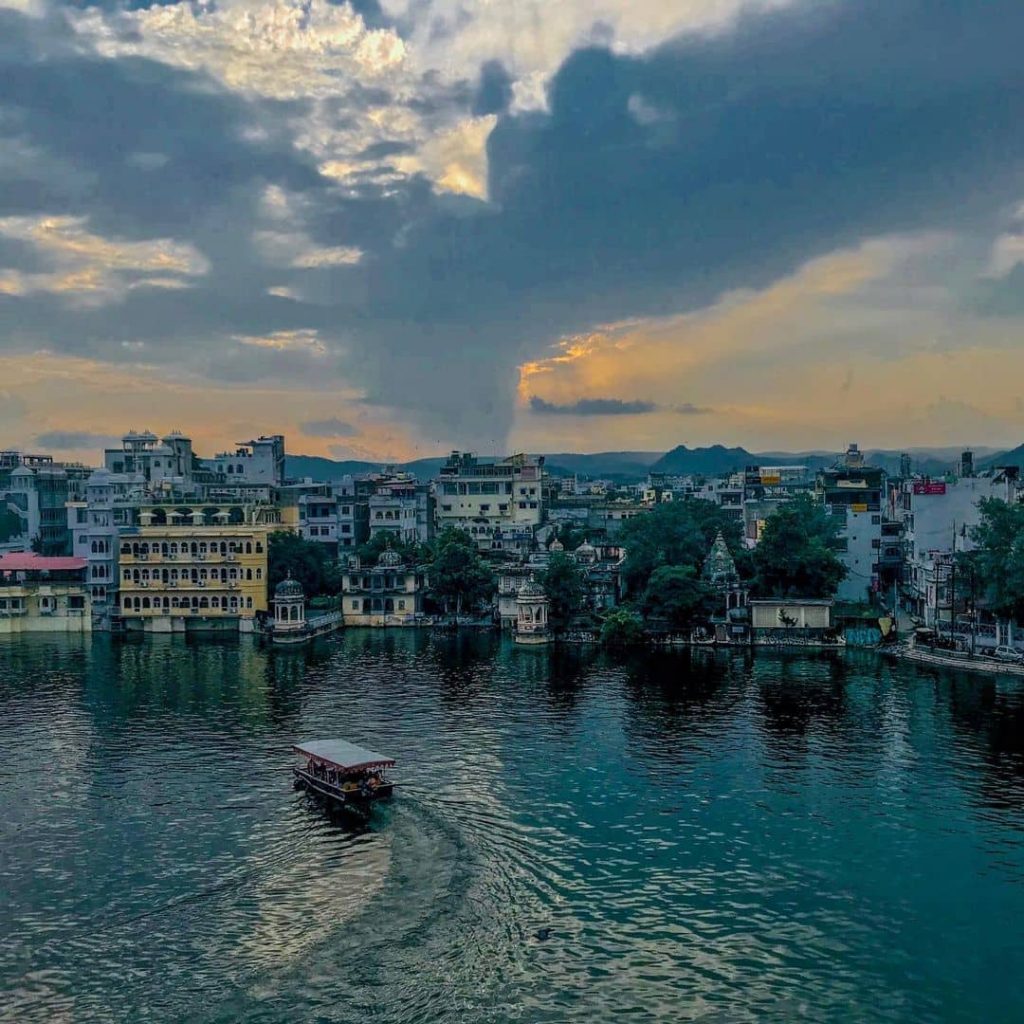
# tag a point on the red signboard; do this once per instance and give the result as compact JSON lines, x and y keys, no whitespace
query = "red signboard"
{"x":930,"y":487}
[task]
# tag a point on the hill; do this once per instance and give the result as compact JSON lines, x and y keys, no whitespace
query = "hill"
{"x":714,"y":461}
{"x":621,"y":466}
{"x":1013,"y":457}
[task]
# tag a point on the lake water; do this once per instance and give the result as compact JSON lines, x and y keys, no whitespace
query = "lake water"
{"x":714,"y":837}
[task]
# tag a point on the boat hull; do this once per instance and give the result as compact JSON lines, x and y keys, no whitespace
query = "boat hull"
{"x":357,"y":800}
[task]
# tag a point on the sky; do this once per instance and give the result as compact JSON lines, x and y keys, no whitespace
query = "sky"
{"x":388,"y":228}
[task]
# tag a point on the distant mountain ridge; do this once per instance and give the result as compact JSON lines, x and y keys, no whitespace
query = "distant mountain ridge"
{"x":629,"y":466}
{"x":621,"y":466}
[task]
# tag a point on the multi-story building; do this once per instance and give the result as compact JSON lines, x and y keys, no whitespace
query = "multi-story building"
{"x":43,"y":594}
{"x":387,"y":594}
{"x":259,"y":461}
{"x":158,"y":464}
{"x":854,"y":491}
{"x":937,"y":517}
{"x":35,"y":489}
{"x":402,"y":508}
{"x":485,"y":497}
{"x":193,"y":570}
{"x":110,"y":504}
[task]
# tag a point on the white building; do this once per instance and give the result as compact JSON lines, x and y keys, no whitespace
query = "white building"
{"x":160,"y":463}
{"x":259,"y":461}
{"x":401,"y":508}
{"x":488,"y":498}
{"x":937,"y":517}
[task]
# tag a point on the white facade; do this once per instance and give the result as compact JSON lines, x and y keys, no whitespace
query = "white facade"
{"x":259,"y":461}
{"x":938,"y":517}
{"x":795,"y":613}
{"x":487,"y":497}
{"x":160,"y":464}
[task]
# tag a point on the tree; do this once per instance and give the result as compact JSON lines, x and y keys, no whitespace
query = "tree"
{"x":458,"y":575}
{"x":676,"y":533}
{"x":796,"y":556}
{"x":622,"y":627}
{"x":10,"y":524}
{"x":570,"y":537}
{"x":563,"y":584}
{"x":304,"y":560}
{"x":411,"y":552}
{"x":998,"y":558}
{"x":678,"y":595}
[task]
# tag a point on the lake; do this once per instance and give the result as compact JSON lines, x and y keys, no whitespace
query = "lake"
{"x":578,"y":837}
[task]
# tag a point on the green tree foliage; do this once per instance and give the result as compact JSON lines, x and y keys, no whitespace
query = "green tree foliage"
{"x":305,"y":560}
{"x":998,"y":558}
{"x":796,"y":556}
{"x":459,"y":577}
{"x":411,"y":553}
{"x":679,"y":596}
{"x":10,"y":524}
{"x":563,"y":584}
{"x":571,"y":537}
{"x":622,"y":627}
{"x":678,"y":533}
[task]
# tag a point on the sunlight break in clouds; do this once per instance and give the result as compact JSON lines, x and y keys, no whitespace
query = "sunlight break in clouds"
{"x":89,"y":269}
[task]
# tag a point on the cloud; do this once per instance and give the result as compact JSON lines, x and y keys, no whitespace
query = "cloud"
{"x":592,"y":407}
{"x":332,"y":427}
{"x":84,"y":267}
{"x":689,"y":409}
{"x":74,"y":440}
{"x":494,"y":90}
{"x":420,"y":252}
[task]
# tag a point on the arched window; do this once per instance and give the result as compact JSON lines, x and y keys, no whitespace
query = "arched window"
{"x":215,"y":601}
{"x":259,"y":574}
{"x":259,"y":548}
{"x":248,"y":547}
{"x":145,"y":604}
{"x":295,"y":611}
{"x":204,"y":602}
{"x":248,"y":574}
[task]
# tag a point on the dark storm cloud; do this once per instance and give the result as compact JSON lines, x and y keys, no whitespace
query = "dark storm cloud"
{"x":653,"y":184}
{"x":592,"y":407}
{"x":74,"y":440}
{"x":657,"y":182}
{"x":380,"y":150}
{"x":494,"y":90}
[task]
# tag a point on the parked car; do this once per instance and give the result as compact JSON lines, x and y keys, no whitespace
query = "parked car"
{"x":1007,"y":653}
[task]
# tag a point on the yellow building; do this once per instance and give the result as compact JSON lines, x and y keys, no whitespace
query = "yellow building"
{"x":43,"y":595}
{"x":192,"y":577}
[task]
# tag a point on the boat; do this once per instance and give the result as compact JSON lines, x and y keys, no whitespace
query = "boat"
{"x":346,"y":776}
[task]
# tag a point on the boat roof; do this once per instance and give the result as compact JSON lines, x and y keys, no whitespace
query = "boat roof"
{"x":342,"y":754}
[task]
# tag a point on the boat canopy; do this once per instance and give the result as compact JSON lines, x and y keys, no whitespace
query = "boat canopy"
{"x":344,"y":755}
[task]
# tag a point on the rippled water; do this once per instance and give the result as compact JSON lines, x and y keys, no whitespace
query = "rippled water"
{"x":707,"y":836}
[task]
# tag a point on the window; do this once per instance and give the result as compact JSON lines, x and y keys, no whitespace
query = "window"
{"x":355,"y":605}
{"x":876,"y":520}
